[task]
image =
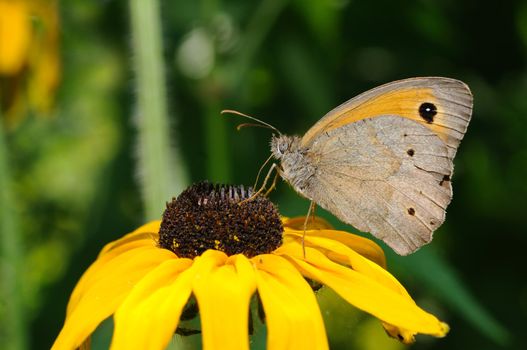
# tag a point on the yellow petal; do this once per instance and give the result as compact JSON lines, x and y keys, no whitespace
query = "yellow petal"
{"x":15,"y":36}
{"x":148,"y":317}
{"x":338,"y":252}
{"x":368,"y":294}
{"x":147,"y":231}
{"x":314,"y":223}
{"x":143,"y":238}
{"x":148,"y":256}
{"x":361,"y":245}
{"x":292,"y":315}
{"x":403,"y":335}
{"x":86,"y":344}
{"x":99,"y":297}
{"x":223,"y":294}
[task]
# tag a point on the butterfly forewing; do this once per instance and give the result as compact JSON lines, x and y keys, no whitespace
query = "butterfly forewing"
{"x":443,"y":105}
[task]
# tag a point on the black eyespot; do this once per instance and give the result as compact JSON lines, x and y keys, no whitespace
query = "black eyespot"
{"x":410,"y":152}
{"x":446,"y":178}
{"x":427,"y":111}
{"x":411,"y":211}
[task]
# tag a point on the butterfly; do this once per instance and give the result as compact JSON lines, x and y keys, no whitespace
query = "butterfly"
{"x":383,"y":161}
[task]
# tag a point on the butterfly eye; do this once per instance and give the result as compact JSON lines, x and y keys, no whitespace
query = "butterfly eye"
{"x":283,"y":147}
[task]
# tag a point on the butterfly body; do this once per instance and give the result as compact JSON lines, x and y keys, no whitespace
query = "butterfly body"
{"x":383,"y":161}
{"x":297,"y":167}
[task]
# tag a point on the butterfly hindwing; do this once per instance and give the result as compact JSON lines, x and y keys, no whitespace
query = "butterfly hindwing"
{"x":385,"y":175}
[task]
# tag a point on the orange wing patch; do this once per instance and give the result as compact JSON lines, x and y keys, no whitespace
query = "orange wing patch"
{"x":404,"y":103}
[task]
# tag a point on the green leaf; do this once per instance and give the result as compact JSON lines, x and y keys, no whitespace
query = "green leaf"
{"x":13,"y":332}
{"x":439,"y":278}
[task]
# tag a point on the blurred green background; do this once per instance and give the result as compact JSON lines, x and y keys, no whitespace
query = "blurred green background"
{"x":75,"y":168}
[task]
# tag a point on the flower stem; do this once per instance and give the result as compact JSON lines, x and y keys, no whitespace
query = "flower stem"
{"x":162,"y":173}
{"x":12,"y":314}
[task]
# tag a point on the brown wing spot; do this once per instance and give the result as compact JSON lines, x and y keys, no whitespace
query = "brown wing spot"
{"x":445,"y":179}
{"x":427,"y":111}
{"x":432,"y":223}
{"x":411,"y":211}
{"x":410,"y":152}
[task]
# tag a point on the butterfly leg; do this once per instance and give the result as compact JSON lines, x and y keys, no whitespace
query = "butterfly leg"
{"x":260,"y":190}
{"x":313,"y":214}
{"x":273,"y":185}
{"x":260,"y":170}
{"x":310,"y":211}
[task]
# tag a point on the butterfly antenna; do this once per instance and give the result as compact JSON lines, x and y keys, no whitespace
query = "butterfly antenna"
{"x":245,"y":125}
{"x":230,"y":111}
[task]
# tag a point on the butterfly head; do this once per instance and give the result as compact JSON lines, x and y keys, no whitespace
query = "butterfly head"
{"x":283,"y":144}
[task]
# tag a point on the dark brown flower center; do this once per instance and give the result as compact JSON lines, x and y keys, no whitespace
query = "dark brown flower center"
{"x":208,"y":216}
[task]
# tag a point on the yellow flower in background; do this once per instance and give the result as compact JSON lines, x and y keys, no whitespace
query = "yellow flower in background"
{"x":221,"y":252}
{"x":15,"y":35}
{"x":29,"y":57}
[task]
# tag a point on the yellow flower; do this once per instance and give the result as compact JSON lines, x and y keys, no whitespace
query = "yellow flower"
{"x":15,"y":34}
{"x":29,"y":56}
{"x":146,"y":287}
